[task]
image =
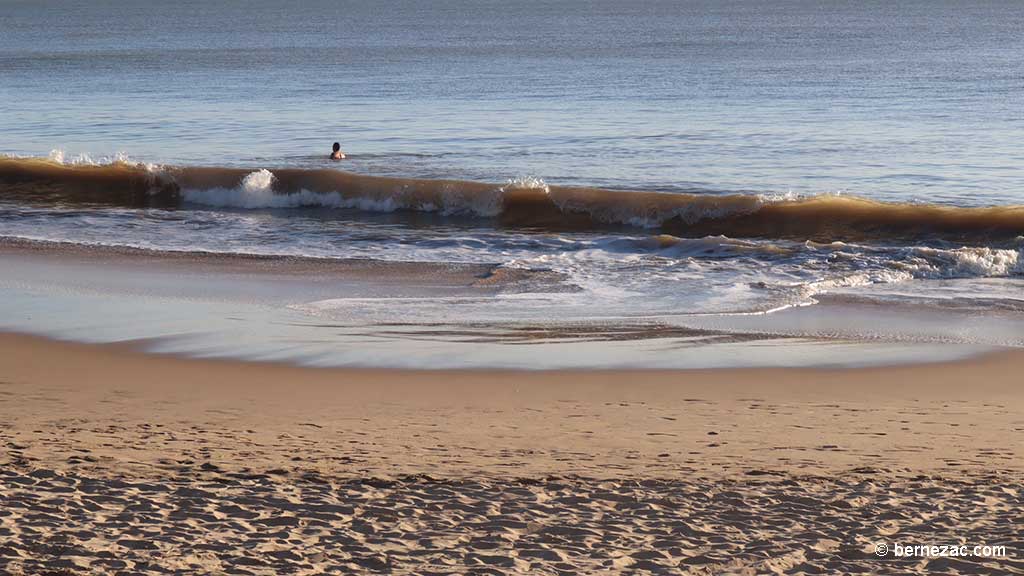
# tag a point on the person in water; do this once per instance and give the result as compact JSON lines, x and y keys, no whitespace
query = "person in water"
{"x":337,"y":154}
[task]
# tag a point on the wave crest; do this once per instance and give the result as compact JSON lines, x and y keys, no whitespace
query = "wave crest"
{"x":528,"y":203}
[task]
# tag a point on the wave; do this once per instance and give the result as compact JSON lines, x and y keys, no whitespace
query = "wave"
{"x":526,"y":203}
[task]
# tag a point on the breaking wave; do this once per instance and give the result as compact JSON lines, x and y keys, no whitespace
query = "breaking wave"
{"x":527,"y":203}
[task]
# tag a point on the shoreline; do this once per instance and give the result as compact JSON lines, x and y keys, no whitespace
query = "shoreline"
{"x":237,"y":262}
{"x":792,"y":409}
{"x":944,"y":371}
{"x":437,"y":315}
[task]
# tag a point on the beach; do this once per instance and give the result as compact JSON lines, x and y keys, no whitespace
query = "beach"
{"x":705,"y":287}
{"x":118,"y":460}
{"x":192,"y":411}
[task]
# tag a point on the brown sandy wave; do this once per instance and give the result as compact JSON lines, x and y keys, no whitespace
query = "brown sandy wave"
{"x":529,"y":204}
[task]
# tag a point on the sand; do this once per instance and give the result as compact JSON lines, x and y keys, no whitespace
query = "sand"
{"x":117,"y":461}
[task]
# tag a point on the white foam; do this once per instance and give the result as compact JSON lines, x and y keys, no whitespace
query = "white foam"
{"x":59,"y":156}
{"x":967,"y":262}
{"x":256,"y":191}
{"x":882,"y":266}
{"x":527,"y":182}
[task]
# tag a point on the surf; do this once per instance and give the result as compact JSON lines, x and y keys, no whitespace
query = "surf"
{"x":521,"y":203}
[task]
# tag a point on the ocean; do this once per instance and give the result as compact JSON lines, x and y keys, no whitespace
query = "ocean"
{"x":683,"y":164}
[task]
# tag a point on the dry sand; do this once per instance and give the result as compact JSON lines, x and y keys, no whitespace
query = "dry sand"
{"x":118,"y":461}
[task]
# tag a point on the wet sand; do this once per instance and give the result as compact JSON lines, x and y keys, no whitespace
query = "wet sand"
{"x":116,"y":460}
{"x":92,"y":261}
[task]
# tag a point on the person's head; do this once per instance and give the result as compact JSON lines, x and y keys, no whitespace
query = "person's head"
{"x":337,"y":147}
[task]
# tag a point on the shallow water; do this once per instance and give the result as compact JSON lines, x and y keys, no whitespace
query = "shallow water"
{"x":250,"y":311}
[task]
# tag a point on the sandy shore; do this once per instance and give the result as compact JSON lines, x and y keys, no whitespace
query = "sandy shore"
{"x":115,"y":460}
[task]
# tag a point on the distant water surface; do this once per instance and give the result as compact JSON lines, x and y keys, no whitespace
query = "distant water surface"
{"x":918,"y":99}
